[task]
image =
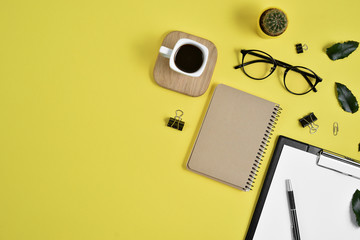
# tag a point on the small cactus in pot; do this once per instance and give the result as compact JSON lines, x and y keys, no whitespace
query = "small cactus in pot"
{"x":273,"y":22}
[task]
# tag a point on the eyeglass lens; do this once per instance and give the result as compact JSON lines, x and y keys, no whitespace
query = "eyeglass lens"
{"x":258,"y":67}
{"x":298,"y":80}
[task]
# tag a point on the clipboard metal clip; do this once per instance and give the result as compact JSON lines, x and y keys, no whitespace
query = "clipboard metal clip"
{"x":338,"y":163}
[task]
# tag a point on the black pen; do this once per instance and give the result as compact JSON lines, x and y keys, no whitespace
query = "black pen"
{"x":294,"y":221}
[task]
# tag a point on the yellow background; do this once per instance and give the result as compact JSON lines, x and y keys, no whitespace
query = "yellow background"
{"x":84,"y":150}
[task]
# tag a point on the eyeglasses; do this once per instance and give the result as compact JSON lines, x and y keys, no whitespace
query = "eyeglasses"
{"x":258,"y":65}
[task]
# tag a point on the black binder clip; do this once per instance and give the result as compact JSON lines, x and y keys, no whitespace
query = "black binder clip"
{"x":300,"y":48}
{"x":176,"y":122}
{"x":309,"y":121}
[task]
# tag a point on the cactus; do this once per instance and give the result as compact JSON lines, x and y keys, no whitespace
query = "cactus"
{"x":273,"y":22}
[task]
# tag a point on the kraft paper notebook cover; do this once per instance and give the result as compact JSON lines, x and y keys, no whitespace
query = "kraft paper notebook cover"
{"x":233,"y":137}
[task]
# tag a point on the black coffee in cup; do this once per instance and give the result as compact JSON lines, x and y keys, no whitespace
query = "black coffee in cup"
{"x":189,"y":58}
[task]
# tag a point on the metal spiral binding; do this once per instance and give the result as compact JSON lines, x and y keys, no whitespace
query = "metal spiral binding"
{"x":263,"y":146}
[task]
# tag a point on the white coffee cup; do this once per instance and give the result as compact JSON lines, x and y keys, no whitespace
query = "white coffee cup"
{"x":188,"y":57}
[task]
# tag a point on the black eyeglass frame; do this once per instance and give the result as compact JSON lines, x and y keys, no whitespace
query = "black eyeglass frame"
{"x":275,"y":62}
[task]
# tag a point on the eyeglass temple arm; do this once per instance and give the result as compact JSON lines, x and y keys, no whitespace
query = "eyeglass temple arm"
{"x":251,"y":62}
{"x":310,"y":83}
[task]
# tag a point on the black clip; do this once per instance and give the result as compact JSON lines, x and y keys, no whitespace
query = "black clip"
{"x":176,"y":122}
{"x":300,"y":48}
{"x":309,"y":120}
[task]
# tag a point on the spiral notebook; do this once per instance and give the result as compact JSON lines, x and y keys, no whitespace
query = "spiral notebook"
{"x":233,"y":137}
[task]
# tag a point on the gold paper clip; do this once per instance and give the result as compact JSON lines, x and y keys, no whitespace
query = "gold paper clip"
{"x":176,"y":122}
{"x":335,"y":128}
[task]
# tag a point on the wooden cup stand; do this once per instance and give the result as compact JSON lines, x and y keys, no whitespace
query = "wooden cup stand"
{"x":192,"y":86}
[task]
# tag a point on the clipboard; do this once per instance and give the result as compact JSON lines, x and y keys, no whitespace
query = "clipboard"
{"x":323,"y":183}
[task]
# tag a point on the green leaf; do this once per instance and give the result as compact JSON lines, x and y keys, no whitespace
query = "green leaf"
{"x":346,"y":99}
{"x":341,"y":50}
{"x":356,"y":205}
